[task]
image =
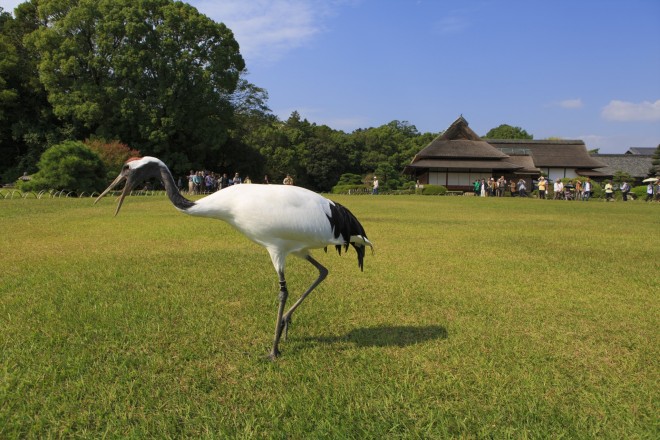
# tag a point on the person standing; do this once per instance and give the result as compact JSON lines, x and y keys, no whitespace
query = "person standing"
{"x":649,"y":192}
{"x":559,"y":189}
{"x":625,"y":189}
{"x":191,"y":182}
{"x":223,"y":181}
{"x":374,"y":191}
{"x":543,"y":184}
{"x":586,"y":190}
{"x":609,"y":192}
{"x":501,"y":186}
{"x":522,"y":188}
{"x":209,"y":182}
{"x":578,"y":189}
{"x":198,"y":180}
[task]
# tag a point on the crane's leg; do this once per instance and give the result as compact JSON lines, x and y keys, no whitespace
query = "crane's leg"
{"x":280,"y":310}
{"x":323,"y":272}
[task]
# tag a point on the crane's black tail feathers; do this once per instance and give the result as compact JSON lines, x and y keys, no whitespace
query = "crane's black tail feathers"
{"x":344,"y":223}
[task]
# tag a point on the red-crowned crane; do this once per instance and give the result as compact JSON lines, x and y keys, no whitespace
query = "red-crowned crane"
{"x":284,"y":219}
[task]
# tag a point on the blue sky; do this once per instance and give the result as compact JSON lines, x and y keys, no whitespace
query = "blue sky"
{"x":574,"y":69}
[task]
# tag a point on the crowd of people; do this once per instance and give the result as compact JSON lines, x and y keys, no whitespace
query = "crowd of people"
{"x":571,"y":190}
{"x":206,"y":182}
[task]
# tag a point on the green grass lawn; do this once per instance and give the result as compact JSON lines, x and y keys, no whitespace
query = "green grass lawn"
{"x":500,"y":318}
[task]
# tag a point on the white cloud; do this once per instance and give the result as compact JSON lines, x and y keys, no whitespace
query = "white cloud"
{"x":630,"y":111}
{"x":267,"y":29}
{"x":571,"y":103}
{"x":593,"y":139}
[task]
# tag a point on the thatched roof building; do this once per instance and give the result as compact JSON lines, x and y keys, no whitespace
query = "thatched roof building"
{"x":553,"y":155}
{"x":643,"y":151}
{"x":637,"y":165}
{"x":459,"y":156}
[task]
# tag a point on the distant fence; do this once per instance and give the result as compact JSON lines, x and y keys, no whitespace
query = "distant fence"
{"x":52,"y":194}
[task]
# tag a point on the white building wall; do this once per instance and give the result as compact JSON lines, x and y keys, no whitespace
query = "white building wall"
{"x":457,"y":178}
{"x":560,"y":173}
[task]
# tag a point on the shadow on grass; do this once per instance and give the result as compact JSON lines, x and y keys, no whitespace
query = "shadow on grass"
{"x":387,"y":336}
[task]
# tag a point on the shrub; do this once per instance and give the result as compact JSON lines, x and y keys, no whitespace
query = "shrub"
{"x":639,"y":191}
{"x":68,"y":166}
{"x":434,"y":190}
{"x":113,"y":154}
{"x":345,"y":189}
{"x":350,"y":179}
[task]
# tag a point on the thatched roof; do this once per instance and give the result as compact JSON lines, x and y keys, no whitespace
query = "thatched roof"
{"x":459,"y":142}
{"x":643,"y":151}
{"x":459,"y":148}
{"x":465,"y":164}
{"x":553,"y":154}
{"x":526,"y":164}
{"x":636,"y":165}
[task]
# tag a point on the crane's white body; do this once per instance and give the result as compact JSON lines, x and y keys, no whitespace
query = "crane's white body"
{"x":284,"y":219}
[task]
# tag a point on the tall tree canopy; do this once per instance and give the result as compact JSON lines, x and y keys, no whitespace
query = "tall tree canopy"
{"x":655,"y":168}
{"x":156,"y":74}
{"x":505,"y":131}
{"x":27,"y":124}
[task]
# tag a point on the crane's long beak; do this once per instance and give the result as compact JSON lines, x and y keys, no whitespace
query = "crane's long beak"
{"x":117,"y":181}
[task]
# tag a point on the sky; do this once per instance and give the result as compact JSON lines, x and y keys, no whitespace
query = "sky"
{"x":570,"y":69}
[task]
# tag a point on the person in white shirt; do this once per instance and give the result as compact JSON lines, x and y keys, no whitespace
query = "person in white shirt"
{"x":559,"y":189}
{"x":586,"y":190}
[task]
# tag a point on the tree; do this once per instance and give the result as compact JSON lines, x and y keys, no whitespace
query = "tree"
{"x":153,"y":73}
{"x":113,"y":154}
{"x":27,"y":124}
{"x":621,"y":176}
{"x":655,"y":167}
{"x":68,"y":166}
{"x":505,"y":131}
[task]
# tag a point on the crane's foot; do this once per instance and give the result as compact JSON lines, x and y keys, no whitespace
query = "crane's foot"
{"x":274,"y":354}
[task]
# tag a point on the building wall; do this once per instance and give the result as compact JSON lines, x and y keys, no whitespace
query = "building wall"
{"x":559,"y":173}
{"x":455,"y":179}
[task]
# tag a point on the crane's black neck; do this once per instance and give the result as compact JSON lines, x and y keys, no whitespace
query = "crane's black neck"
{"x":172,"y":191}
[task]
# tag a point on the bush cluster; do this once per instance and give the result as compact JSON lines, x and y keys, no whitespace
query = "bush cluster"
{"x":434,"y":190}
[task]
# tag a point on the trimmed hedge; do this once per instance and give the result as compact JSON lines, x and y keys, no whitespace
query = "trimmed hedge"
{"x":434,"y":190}
{"x":345,"y":189}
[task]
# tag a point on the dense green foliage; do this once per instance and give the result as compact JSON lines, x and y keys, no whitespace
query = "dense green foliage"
{"x":158,"y":77}
{"x":152,"y":73}
{"x":639,"y":191}
{"x":434,"y":190}
{"x":505,"y":131}
{"x":655,"y":168}
{"x":68,"y":166}
{"x":153,"y":324}
{"x":113,"y":154}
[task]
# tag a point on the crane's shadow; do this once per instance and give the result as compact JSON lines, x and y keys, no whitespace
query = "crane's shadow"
{"x":386,"y":336}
